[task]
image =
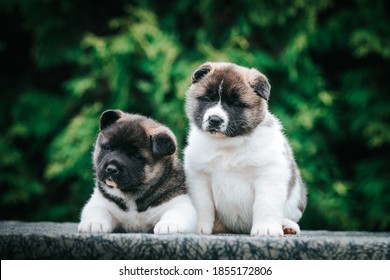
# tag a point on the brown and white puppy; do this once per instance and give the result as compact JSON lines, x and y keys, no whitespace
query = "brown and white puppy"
{"x":140,"y":183}
{"x":239,"y":166}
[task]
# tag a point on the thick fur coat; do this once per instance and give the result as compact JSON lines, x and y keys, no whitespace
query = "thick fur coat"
{"x":140,"y":184}
{"x":239,"y":166}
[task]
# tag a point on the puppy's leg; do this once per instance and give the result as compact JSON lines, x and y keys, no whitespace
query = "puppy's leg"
{"x":95,"y":217}
{"x":199,"y":188}
{"x":270,"y":196}
{"x":179,"y":218}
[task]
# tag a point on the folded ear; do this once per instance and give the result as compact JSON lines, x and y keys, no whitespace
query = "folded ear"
{"x":202,"y":71}
{"x":163,"y":143}
{"x":260,"y":84}
{"x":109,"y":117}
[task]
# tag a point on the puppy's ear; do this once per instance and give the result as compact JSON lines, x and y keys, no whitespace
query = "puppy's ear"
{"x":260,"y":84}
{"x":163,"y":144}
{"x":109,"y":117}
{"x":202,"y":71}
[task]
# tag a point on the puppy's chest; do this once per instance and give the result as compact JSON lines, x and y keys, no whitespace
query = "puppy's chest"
{"x":131,"y":220}
{"x":134,"y":221}
{"x":233,"y":194}
{"x":232,"y":188}
{"x":232,"y":162}
{"x":231,"y":177}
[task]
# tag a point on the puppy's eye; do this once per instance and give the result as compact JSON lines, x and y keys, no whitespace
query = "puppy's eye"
{"x":205,"y":98}
{"x":238,"y":104}
{"x":133,"y":153}
{"x":136,"y":156}
{"x":107,"y":147}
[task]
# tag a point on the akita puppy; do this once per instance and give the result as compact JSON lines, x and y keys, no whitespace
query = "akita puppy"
{"x":239,"y":166}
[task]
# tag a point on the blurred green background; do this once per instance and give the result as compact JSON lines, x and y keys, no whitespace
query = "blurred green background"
{"x":63,"y":62}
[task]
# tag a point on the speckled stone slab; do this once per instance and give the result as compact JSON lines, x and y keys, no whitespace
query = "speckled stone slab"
{"x":47,"y":240}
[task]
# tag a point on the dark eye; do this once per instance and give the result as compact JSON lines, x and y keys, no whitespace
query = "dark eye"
{"x":136,"y":156}
{"x":205,"y":98}
{"x":237,"y":104}
{"x":133,"y":153}
{"x":107,"y":147}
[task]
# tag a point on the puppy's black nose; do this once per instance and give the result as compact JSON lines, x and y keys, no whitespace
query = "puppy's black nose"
{"x":215,"y":121}
{"x":112,"y":169}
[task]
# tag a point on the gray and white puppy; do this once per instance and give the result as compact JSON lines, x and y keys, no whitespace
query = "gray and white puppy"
{"x":239,"y":166}
{"x":140,"y":184}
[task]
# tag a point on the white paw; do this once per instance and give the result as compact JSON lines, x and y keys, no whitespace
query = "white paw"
{"x":166,"y":227}
{"x":273,"y":229}
{"x":290,"y":227}
{"x":204,"y":228}
{"x":94,"y":227}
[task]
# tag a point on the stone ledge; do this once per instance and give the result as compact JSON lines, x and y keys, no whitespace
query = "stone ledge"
{"x":46,"y":240}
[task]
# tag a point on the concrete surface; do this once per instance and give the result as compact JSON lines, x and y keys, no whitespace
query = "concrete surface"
{"x":47,"y":240}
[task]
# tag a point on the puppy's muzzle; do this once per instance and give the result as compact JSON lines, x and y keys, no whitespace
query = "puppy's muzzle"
{"x":215,"y":122}
{"x":112,"y":170}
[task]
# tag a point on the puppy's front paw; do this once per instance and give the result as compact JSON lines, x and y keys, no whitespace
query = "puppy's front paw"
{"x":273,"y":229}
{"x":290,"y":227}
{"x":165,"y":227}
{"x":204,"y":228}
{"x":94,"y":227}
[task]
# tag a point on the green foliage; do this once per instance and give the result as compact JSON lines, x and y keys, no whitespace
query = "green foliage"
{"x":64,"y":62}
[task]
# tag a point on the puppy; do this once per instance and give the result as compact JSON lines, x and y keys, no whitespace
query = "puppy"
{"x":239,"y":166}
{"x":140,"y":183}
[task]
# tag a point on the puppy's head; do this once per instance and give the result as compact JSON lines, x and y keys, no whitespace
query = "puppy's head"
{"x":227,"y":100}
{"x":132,"y":152}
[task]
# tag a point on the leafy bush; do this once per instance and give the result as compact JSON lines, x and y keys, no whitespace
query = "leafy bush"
{"x":64,"y":62}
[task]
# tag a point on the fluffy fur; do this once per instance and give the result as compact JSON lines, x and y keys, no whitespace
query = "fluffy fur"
{"x":140,"y":185}
{"x":239,"y":167}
